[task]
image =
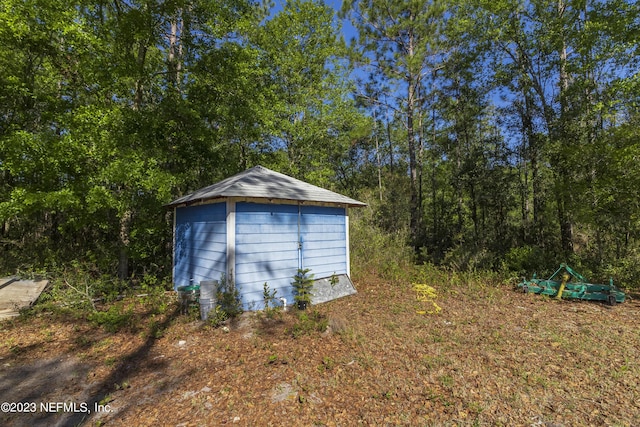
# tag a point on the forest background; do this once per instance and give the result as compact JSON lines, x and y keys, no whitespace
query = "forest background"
{"x":500,"y":134}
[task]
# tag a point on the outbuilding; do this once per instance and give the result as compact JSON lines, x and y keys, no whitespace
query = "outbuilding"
{"x":261,"y":226}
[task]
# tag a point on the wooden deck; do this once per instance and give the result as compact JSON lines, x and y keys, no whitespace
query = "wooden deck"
{"x":16,"y":294}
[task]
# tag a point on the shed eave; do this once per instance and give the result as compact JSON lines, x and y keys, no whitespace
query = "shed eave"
{"x":269,"y":200}
{"x":195,"y":202}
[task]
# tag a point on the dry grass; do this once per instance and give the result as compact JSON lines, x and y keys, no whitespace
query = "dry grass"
{"x":492,"y":356}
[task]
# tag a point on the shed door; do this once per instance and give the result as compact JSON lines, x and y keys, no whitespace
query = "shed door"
{"x":267,"y":250}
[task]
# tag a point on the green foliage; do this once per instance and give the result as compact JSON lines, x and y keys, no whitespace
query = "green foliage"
{"x":100,"y":127}
{"x":77,"y":288}
{"x":308,"y":323}
{"x":377,"y":251}
{"x":303,"y":286}
{"x":334,"y":280}
{"x":625,"y":272}
{"x":228,"y":298}
{"x":154,"y":294}
{"x":79,"y":291}
{"x":271,"y":309}
{"x":430,"y":274}
{"x":311,"y":113}
{"x":446,"y":278}
{"x":397,"y":44}
{"x":217,"y":317}
{"x":327,"y":364}
{"x":115,"y":318}
{"x":526,"y":260}
{"x":268,"y":295}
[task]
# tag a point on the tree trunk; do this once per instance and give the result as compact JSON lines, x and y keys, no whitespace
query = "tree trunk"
{"x":378,"y":159}
{"x":391,"y":167}
{"x":474,"y":210}
{"x":564,"y":214}
{"x":415,"y":209}
{"x":124,"y":240}
{"x":413,"y":87}
{"x":174,"y":58}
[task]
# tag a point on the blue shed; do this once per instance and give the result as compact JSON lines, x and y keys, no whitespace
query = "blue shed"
{"x":262,"y":226}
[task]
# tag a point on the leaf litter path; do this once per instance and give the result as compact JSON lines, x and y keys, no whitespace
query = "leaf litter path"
{"x":492,"y":356}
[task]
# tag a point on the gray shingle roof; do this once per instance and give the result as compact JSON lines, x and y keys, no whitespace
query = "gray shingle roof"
{"x":260,"y":182}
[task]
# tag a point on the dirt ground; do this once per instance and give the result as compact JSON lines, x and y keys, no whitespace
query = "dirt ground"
{"x":492,"y":356}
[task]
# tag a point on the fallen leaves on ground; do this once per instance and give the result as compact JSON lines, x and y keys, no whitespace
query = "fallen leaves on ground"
{"x":492,"y":356}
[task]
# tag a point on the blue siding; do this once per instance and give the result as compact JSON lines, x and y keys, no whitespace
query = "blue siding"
{"x":200,"y":243}
{"x":324,"y":234}
{"x":271,"y":242}
{"x":266,"y":250}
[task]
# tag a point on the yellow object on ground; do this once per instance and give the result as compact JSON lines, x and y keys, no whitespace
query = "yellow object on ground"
{"x":426,"y":293}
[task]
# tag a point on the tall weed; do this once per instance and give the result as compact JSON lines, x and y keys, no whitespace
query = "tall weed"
{"x":447,"y":278}
{"x":378,"y":252}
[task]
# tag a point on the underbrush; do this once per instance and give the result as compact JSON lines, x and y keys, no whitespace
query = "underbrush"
{"x":379,"y":253}
{"x":308,"y":322}
{"x":80,"y":292}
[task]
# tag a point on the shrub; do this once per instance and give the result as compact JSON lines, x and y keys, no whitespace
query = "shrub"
{"x":154,"y":294}
{"x":269,"y":297}
{"x":308,"y":323}
{"x":380,"y":252}
{"x":625,"y":271}
{"x":228,"y":297}
{"x":525,"y":260}
{"x":217,"y":317}
{"x":303,"y":284}
{"x":115,"y":318}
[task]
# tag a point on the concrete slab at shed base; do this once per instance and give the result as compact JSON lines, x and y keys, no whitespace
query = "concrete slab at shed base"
{"x":16,"y":294}
{"x":323,"y":290}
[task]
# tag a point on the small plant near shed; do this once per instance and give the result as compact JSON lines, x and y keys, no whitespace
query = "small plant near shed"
{"x":308,"y":323}
{"x":303,"y":285}
{"x":229,"y":305}
{"x":228,"y":297}
{"x":271,"y":310}
{"x":334,"y":280}
{"x":217,"y":317}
